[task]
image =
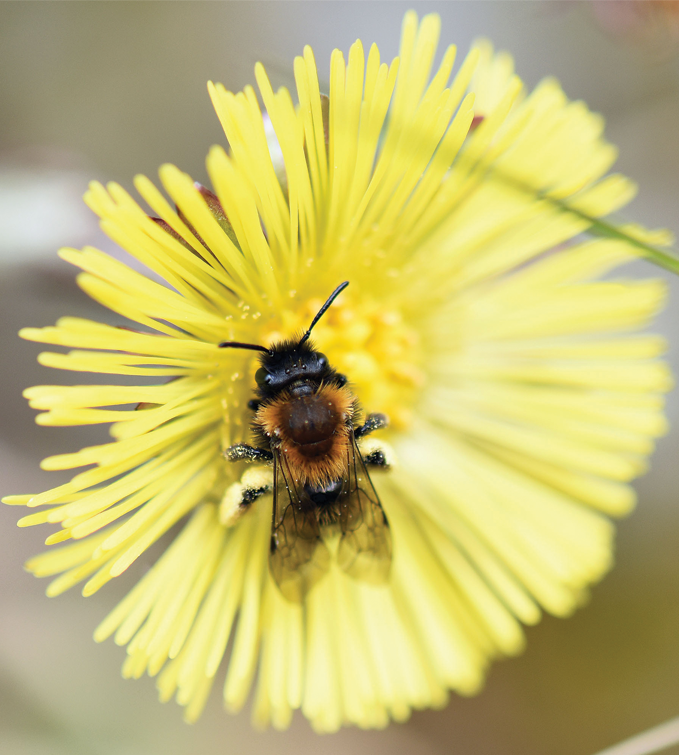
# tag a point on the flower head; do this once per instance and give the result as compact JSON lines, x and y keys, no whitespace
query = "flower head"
{"x":521,"y":400}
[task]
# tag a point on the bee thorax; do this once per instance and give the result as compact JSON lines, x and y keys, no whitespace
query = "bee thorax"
{"x":312,"y":432}
{"x":309,"y":420}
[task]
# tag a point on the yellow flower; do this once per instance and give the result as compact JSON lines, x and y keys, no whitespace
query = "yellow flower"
{"x":521,"y":404}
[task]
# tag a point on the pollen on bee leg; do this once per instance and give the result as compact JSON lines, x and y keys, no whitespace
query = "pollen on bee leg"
{"x":255,"y":482}
{"x":376,"y":453}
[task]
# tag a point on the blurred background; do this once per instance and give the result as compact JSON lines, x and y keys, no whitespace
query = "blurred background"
{"x":106,"y":90}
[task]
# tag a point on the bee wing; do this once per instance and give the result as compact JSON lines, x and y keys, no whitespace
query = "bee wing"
{"x":298,"y":557}
{"x":364,"y":550}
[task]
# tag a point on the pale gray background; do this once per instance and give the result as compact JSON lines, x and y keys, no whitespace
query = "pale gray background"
{"x":105,"y":90}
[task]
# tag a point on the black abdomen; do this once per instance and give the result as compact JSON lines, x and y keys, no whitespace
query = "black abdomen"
{"x":324,"y":495}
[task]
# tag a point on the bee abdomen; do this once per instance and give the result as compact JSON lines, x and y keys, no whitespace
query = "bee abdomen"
{"x":324,"y":494}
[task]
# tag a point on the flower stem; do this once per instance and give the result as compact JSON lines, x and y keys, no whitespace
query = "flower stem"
{"x":653,"y":740}
{"x":665,"y":258}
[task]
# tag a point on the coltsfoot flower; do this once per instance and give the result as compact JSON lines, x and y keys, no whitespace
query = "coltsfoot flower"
{"x":521,"y":396}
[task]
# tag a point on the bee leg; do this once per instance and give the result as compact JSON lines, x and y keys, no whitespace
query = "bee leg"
{"x":243,"y":452}
{"x":254,"y":404}
{"x":372,"y":422}
{"x":376,"y":454}
{"x":255,"y":482}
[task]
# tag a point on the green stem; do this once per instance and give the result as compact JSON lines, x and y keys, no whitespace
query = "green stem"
{"x":665,"y":258}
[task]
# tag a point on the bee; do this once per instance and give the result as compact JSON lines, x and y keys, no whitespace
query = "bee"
{"x":306,"y":425}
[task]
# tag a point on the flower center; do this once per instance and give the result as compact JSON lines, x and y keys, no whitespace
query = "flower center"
{"x":371,"y":345}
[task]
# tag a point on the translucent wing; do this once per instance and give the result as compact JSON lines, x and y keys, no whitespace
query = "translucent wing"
{"x":298,"y":557}
{"x":364,"y":550}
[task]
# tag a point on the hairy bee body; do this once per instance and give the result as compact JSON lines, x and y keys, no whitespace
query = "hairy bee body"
{"x":307,"y":423}
{"x":308,"y":419}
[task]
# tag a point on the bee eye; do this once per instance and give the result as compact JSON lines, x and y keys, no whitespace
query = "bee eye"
{"x":262,"y":376}
{"x":322,"y":360}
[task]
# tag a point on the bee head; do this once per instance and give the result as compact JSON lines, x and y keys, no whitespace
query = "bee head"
{"x":291,"y":361}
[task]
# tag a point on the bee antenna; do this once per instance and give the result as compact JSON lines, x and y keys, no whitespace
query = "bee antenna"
{"x":323,"y":310}
{"x":238,"y":345}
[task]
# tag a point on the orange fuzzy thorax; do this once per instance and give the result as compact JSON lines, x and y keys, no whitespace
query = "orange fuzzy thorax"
{"x":315,"y":453}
